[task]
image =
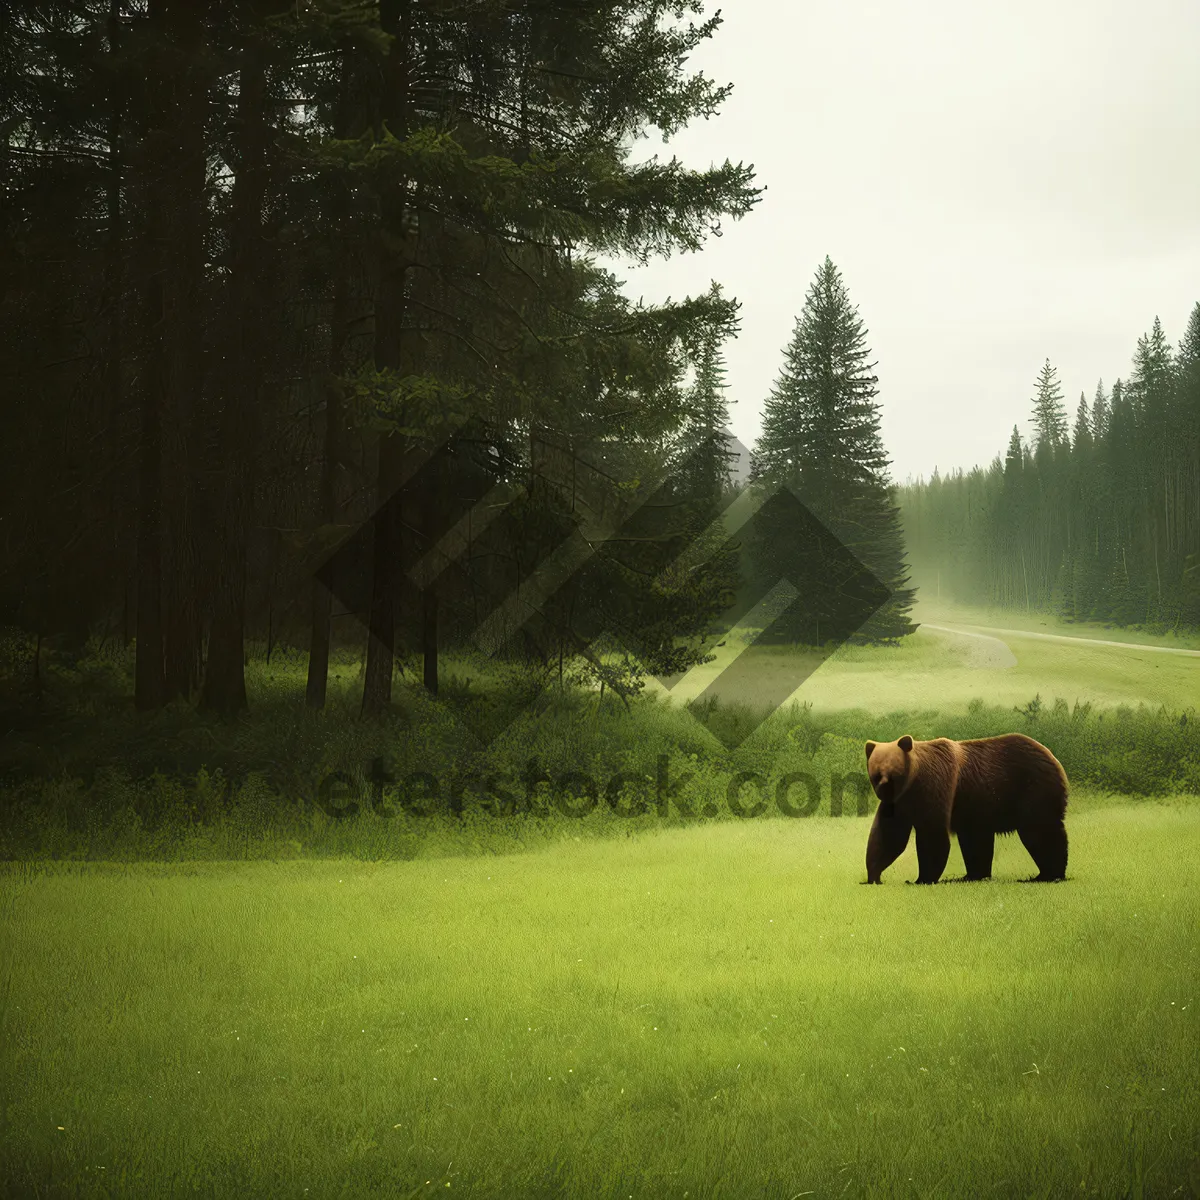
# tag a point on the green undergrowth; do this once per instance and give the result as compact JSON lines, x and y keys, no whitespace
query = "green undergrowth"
{"x":489,"y":766}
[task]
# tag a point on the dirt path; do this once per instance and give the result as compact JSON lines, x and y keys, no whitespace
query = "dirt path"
{"x":984,"y":651}
{"x":1064,"y":637}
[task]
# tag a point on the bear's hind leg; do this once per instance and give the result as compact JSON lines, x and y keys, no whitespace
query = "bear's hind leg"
{"x":1047,"y":846}
{"x":933,"y":849}
{"x":977,"y":846}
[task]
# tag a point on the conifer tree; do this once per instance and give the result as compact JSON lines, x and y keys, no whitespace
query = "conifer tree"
{"x":1099,"y":413}
{"x":821,"y":438}
{"x":1015,"y":457}
{"x":705,"y":455}
{"x":1049,"y":414}
{"x":1081,"y":440}
{"x":1106,"y":530}
{"x":1186,"y":428}
{"x":710,"y":574}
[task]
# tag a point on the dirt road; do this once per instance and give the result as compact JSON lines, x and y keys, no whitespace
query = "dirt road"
{"x":1062,"y":637}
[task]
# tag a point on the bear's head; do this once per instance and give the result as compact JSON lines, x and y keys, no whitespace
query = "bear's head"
{"x":888,"y":765}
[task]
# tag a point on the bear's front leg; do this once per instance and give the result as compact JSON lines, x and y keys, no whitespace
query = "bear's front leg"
{"x":889,"y":836}
{"x":933,"y":849}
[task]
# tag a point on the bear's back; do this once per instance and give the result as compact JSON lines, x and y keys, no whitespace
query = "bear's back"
{"x":1007,"y":781}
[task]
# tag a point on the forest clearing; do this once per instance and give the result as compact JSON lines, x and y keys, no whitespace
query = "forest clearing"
{"x":479,"y":597}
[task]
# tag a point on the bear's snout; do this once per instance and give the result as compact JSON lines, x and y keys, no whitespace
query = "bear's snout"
{"x":884,"y":788}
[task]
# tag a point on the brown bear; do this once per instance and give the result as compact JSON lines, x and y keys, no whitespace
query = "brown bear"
{"x":975,"y":789}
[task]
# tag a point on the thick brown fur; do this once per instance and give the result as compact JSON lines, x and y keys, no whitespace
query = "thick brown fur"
{"x":975,"y":790}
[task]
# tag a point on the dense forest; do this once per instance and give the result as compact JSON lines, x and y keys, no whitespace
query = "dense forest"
{"x":277,"y":273}
{"x":304,"y":341}
{"x":1095,"y":517}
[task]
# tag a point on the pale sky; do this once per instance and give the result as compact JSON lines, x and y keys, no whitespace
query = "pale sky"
{"x":997,"y":184}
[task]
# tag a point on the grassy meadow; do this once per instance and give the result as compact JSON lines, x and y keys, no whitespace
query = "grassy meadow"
{"x":714,"y":1011}
{"x":216,"y":983}
{"x":932,"y":669}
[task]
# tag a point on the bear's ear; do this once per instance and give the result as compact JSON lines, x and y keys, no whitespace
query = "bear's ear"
{"x":905,"y":743}
{"x":870,"y":749}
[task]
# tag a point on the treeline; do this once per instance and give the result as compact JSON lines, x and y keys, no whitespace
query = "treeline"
{"x":275,"y":272}
{"x":1093,"y":519}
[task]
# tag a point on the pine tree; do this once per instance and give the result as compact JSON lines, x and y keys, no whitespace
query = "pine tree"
{"x":520,"y":143}
{"x":705,"y":455}
{"x":1151,"y":392}
{"x":1112,"y":536}
{"x":1049,"y":414}
{"x":821,"y":438}
{"x":1099,"y":413}
{"x":1015,"y":457}
{"x":1081,"y":440}
{"x":1116,"y":397}
{"x":1009,"y":520}
{"x":1186,"y":428}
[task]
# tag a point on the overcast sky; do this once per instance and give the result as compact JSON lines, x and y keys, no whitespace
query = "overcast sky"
{"x":997,"y":184}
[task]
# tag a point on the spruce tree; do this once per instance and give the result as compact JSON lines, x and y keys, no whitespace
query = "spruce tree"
{"x":1099,"y":413}
{"x":1081,"y":440}
{"x":709,"y":575}
{"x":1112,"y":536}
{"x":1009,"y":523}
{"x":704,"y":450}
{"x":1015,"y":456}
{"x":513,"y":141}
{"x":1150,"y":391}
{"x":821,"y":439}
{"x":1160,"y":462}
{"x":1115,"y":400}
{"x":1049,"y":413}
{"x":1187,"y":431}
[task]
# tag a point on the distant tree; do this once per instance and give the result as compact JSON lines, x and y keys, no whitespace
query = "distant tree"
{"x":1049,"y":413}
{"x":1103,"y":526}
{"x":1081,"y":439}
{"x":1014,"y":459}
{"x":1157,"y":466}
{"x":703,"y":448}
{"x":1099,"y":413}
{"x":1151,"y":391}
{"x":1187,"y":433}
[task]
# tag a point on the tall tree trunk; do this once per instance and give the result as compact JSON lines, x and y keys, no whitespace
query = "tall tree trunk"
{"x":387,"y":549}
{"x":149,"y":689}
{"x":224,"y":680}
{"x":179,"y":142}
{"x":114,"y":263}
{"x":149,"y":669}
{"x":322,"y":597}
{"x":149,"y":680}
{"x":432,"y":502}
{"x":429,"y":639}
{"x":390,"y":311}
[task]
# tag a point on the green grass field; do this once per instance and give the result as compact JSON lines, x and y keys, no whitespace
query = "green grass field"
{"x":931,"y":669}
{"x":530,"y":1005}
{"x":719,"y":1011}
